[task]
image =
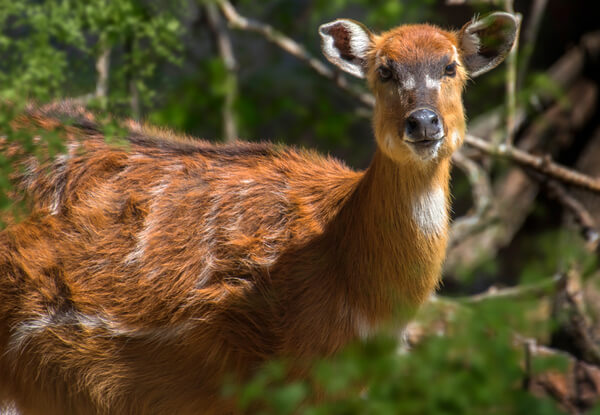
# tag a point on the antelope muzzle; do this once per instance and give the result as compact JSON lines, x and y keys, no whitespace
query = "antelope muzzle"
{"x":423,"y":127}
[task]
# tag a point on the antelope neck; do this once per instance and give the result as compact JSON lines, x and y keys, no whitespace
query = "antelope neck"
{"x":389,"y":192}
{"x":391,"y":229}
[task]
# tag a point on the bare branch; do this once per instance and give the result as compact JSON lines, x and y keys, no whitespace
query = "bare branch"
{"x":515,"y":192}
{"x":529,"y":37}
{"x":572,"y":330}
{"x":482,"y":199}
{"x":578,"y":323}
{"x":543,"y":165}
{"x":582,"y":216}
{"x":103,"y":69}
{"x":226,"y":52}
{"x":293,"y":48}
{"x":540,"y":289}
{"x":563,"y":73}
{"x":528,"y":346}
{"x":511,"y":80}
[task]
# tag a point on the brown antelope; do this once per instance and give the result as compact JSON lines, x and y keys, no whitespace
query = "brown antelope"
{"x":146,"y":272}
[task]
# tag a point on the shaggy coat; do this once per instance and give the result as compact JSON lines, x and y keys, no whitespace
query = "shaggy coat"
{"x":149,"y":270}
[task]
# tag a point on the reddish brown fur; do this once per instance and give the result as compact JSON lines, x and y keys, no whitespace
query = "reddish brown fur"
{"x":147,"y":272}
{"x":413,"y":45}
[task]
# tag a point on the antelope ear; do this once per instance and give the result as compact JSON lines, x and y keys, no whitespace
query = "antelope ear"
{"x":345,"y":43}
{"x":485,"y":42}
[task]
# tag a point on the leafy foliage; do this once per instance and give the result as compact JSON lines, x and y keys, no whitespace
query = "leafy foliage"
{"x":474,"y":368}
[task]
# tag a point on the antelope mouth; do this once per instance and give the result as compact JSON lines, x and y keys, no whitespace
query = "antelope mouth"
{"x":425,"y":148}
{"x":424,"y":143}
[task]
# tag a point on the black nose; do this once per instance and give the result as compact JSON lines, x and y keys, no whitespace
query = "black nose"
{"x":423,"y":124}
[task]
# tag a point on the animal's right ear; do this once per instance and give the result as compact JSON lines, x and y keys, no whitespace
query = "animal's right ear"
{"x":345,"y":43}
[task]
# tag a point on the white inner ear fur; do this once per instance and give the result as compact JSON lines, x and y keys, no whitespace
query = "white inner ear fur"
{"x":329,"y":50}
{"x":359,"y":43}
{"x":359,"y":40}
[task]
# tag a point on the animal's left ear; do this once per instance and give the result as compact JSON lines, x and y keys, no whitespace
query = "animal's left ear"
{"x":485,"y":42}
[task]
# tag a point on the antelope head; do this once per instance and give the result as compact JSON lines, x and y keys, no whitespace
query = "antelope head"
{"x":417,"y":74}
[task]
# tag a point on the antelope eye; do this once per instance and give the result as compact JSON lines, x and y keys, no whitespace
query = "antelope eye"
{"x":450,"y":70}
{"x":384,"y":73}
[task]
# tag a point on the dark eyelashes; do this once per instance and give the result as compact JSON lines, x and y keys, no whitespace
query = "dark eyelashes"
{"x":450,"y":70}
{"x":385,"y":74}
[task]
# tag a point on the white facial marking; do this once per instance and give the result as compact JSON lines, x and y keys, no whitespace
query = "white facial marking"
{"x":455,"y":138}
{"x":409,"y":83}
{"x":429,"y":212}
{"x":432,"y":83}
{"x":455,"y":54}
{"x":390,"y":143}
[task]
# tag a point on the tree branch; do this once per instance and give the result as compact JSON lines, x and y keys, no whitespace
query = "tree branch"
{"x":582,"y":216}
{"x":511,"y":79}
{"x":226,"y":52}
{"x":482,"y":199}
{"x":103,"y":69}
{"x":543,"y":165}
{"x":540,"y":289}
{"x":529,"y":37}
{"x":293,"y":48}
